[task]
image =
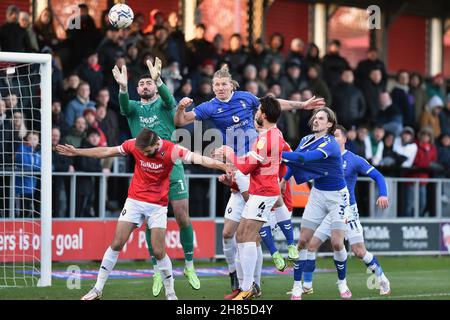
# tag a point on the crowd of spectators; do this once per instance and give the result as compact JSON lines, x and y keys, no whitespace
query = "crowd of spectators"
{"x":400,"y":125}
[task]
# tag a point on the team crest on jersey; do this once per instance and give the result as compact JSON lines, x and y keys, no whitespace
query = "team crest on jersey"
{"x":236,"y":119}
{"x":261,"y":143}
{"x":242,"y":102}
{"x":162,"y":154}
{"x":344,"y":164}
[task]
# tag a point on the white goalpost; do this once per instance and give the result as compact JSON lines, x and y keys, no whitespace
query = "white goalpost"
{"x":26,"y":189}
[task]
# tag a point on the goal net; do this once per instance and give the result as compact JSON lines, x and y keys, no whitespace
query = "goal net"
{"x":25,"y":169}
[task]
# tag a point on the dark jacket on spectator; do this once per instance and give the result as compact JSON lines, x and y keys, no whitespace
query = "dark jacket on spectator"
{"x":371,"y":92}
{"x":198,"y":50}
{"x":444,"y":120}
{"x":14,"y":38}
{"x":110,"y":126}
{"x":92,"y":75}
{"x":60,"y":163}
{"x":236,"y":61}
{"x":348,"y":103}
{"x":6,"y":145}
{"x":332,"y":67}
{"x":59,"y":120}
{"x":444,"y":156}
{"x":364,"y":67}
{"x":289,"y":85}
{"x":85,"y":185}
{"x":320,"y":89}
{"x":404,"y":100}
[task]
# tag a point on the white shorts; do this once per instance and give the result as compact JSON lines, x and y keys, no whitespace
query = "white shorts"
{"x":326,"y":203}
{"x":242,"y":181}
{"x":259,"y":207}
{"x":136,"y":212}
{"x":235,"y":207}
{"x":353,"y":233}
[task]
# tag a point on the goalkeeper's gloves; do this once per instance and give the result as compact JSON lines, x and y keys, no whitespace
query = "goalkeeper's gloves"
{"x":155,"y":70}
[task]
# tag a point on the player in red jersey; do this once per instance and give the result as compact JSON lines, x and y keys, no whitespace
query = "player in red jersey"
{"x":262,"y":163}
{"x":147,"y":198}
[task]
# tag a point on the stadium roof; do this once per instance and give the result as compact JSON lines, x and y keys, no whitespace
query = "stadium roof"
{"x":434,"y":8}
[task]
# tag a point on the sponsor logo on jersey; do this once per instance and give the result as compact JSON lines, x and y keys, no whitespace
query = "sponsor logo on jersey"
{"x":261,"y":143}
{"x":322,"y":144}
{"x":151,"y":165}
{"x":148,"y":121}
{"x":238,"y":125}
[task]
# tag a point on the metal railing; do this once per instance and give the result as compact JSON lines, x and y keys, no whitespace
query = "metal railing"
{"x":393,"y":192}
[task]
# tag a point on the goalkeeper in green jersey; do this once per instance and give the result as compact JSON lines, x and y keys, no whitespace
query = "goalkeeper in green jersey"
{"x":156,"y":111}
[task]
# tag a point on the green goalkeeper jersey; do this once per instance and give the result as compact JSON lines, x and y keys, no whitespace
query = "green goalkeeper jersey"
{"x":157,"y":116}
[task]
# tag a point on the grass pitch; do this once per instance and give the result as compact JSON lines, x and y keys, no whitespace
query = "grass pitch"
{"x":424,"y":278}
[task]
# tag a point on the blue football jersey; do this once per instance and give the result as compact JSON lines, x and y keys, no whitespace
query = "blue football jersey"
{"x":234,"y":119}
{"x":327,"y":173}
{"x":354,"y":165}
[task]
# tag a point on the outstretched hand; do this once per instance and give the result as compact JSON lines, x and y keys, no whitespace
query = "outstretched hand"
{"x":313,"y":103}
{"x":66,"y":150}
{"x":155,"y":70}
{"x":121,"y":76}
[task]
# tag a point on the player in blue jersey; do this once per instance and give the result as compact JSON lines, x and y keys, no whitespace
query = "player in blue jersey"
{"x":352,"y":165}
{"x":318,"y":158}
{"x":232,"y":113}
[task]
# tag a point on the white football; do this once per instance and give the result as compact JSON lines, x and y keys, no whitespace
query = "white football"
{"x":121,"y":16}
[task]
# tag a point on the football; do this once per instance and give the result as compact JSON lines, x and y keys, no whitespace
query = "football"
{"x":121,"y":16}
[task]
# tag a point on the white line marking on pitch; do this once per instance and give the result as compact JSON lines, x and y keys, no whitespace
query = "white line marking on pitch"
{"x":443,"y":294}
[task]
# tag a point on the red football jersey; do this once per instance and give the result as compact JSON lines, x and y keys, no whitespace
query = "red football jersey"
{"x":267,"y":152}
{"x":150,"y":182}
{"x":287,"y":195}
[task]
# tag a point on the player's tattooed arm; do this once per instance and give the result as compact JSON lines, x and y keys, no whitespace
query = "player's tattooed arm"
{"x":312,"y":103}
{"x":182,"y":117}
{"x":98,"y":152}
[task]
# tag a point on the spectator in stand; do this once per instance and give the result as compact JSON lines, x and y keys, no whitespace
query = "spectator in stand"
{"x":250,"y":73}
{"x":275,"y":71}
{"x":389,"y":115}
{"x":90,"y":115}
{"x":259,"y":55}
{"x":236,"y":56}
{"x":204,"y":71}
{"x":386,"y":156}
{"x":276,"y":45}
{"x":28,"y":160}
{"x":91,"y":72}
{"x":403,"y":98}
{"x":376,"y":139}
{"x":363,"y":144}
{"x":11,"y":102}
{"x":219,"y":49}
{"x":436,"y":87}
{"x":76,"y":107}
{"x":417,"y":90}
{"x":85,"y":184}
{"x":107,"y":118}
{"x":162,"y":43}
{"x":71,"y":84}
{"x":348,"y":101}
{"x":317,"y":85}
{"x":275,"y":90}
{"x":205,"y":92}
{"x":77,"y":133}
{"x":13,"y":37}
{"x":81,"y":40}
{"x":172,"y":76}
{"x":156,"y":19}
{"x":296,"y":50}
{"x":6,"y":150}
{"x":263,"y":76}
{"x":405,"y":146}
{"x":109,"y":48}
{"x":176,"y":43}
{"x":199,"y":49}
{"x":58,"y":118}
{"x":333,"y":64}
{"x":443,"y":147}
{"x":351,"y":140}
{"x":425,"y":158}
{"x":371,"y":89}
{"x":364,"y":67}
{"x":292,"y":80}
{"x":312,"y":58}
{"x":148,"y":44}
{"x":19,"y":128}
{"x":252,"y":87}
{"x":185,"y":90}
{"x":305,"y":115}
{"x":24,"y":23}
{"x":59,"y":164}
{"x":45,"y":30}
{"x":430,"y":116}
{"x":444,"y":117}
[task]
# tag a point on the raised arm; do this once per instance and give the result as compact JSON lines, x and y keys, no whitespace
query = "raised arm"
{"x":163,"y":91}
{"x":208,"y":162}
{"x":310,"y":104}
{"x":121,"y":77}
{"x":182,"y":117}
{"x":98,"y":152}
